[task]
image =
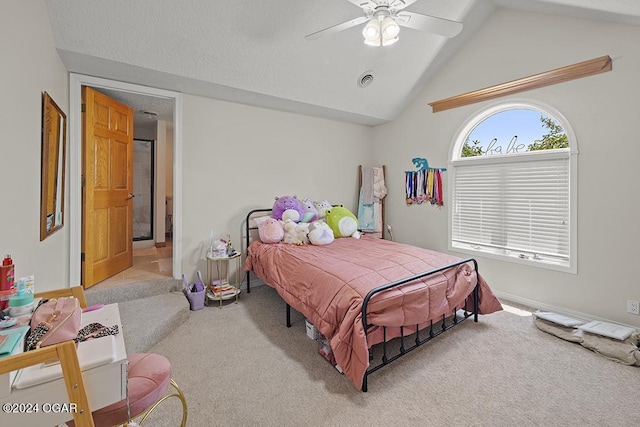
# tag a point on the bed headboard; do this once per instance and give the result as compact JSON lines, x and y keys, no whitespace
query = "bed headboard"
{"x":248,"y":227}
{"x":267,"y":211}
{"x":247,"y":234}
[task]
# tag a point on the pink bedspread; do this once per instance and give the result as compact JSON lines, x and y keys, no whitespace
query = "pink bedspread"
{"x":327,"y":284}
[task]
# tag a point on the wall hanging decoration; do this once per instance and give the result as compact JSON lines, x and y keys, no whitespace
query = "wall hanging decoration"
{"x":424,"y":184}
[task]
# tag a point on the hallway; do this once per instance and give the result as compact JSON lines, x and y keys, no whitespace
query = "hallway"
{"x":148,"y":264}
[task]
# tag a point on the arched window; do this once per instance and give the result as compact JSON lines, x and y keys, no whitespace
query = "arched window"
{"x":513,"y":194}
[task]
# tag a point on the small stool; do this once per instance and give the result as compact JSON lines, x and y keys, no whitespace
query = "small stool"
{"x":149,"y":376}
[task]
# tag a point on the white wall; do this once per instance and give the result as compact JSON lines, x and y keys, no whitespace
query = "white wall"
{"x":168,"y":171}
{"x":237,"y":158}
{"x":603,"y":111}
{"x":30,"y":65}
{"x":160,"y":179}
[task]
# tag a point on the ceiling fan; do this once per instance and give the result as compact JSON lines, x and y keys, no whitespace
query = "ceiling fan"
{"x":384,"y":19}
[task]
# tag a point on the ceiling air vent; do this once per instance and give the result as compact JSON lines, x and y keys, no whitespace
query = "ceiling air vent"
{"x":365,"y":79}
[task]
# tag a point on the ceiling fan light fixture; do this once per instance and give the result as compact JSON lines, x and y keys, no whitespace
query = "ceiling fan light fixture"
{"x":389,"y":42}
{"x":390,"y":28}
{"x":382,"y":20}
{"x":381,"y":30}
{"x":371,"y":31}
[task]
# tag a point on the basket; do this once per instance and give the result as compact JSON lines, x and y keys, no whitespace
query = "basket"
{"x":196,"y":293}
{"x":196,"y":300}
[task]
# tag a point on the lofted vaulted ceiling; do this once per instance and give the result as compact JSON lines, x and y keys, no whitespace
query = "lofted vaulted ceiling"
{"x":255,"y":51}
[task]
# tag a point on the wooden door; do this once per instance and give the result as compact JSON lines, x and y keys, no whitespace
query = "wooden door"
{"x":107,"y":187}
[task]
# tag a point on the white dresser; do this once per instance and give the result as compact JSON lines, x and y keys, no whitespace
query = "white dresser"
{"x":104,"y":368}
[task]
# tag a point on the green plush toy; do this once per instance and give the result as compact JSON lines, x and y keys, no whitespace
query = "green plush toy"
{"x":342,"y":222}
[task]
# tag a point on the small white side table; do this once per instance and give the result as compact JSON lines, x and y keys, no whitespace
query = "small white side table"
{"x":218,"y":269}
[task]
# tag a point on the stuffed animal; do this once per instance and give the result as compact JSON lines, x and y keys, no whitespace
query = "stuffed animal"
{"x":287,"y":203}
{"x":295,"y":233}
{"x":342,"y":222}
{"x":320,"y":233}
{"x":270,"y":231}
{"x":322,"y":207}
{"x":290,"y":214}
{"x":310,"y":212}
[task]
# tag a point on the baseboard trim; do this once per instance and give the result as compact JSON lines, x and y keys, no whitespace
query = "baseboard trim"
{"x":506,"y":297}
{"x":537,"y":305}
{"x":143,"y":244}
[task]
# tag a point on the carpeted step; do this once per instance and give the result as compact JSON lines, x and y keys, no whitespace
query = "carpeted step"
{"x":149,"y":311}
{"x":146,"y":321}
{"x":131,"y":291}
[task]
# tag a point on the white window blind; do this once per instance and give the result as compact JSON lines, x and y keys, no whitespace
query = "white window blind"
{"x":515,"y":208}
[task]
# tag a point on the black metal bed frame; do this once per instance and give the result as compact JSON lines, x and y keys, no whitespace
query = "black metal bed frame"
{"x":431,"y":331}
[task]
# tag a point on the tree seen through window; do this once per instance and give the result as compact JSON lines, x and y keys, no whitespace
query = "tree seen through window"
{"x":483,"y":140}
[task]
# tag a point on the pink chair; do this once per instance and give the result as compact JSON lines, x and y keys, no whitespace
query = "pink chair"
{"x":148,"y":380}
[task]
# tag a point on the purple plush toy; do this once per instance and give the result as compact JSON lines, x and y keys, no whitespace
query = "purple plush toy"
{"x":287,"y":203}
{"x":310,"y":211}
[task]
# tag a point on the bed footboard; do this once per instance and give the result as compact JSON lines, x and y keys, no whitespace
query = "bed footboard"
{"x":429,"y":332}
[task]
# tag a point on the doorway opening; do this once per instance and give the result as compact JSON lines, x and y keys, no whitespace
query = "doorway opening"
{"x":168,"y":254}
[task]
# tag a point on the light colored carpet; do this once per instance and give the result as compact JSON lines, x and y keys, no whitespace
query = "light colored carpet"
{"x":241,"y":366}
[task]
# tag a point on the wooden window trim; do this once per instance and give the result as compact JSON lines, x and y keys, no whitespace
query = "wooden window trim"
{"x":559,"y":75}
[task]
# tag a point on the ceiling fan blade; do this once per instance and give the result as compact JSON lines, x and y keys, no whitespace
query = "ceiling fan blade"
{"x":336,"y":28}
{"x":365,"y":4}
{"x":431,"y":24}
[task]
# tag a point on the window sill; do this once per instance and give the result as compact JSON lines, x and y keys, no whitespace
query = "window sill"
{"x":547,"y":264}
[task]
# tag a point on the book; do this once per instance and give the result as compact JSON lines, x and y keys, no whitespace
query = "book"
{"x":605,"y":329}
{"x":223,"y":289}
{"x":9,"y":342}
{"x":224,"y":293}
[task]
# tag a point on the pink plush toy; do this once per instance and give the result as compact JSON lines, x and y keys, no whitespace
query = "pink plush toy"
{"x":290,"y":206}
{"x":270,"y":231}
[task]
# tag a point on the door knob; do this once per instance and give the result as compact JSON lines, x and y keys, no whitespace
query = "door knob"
{"x":130,"y":196}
